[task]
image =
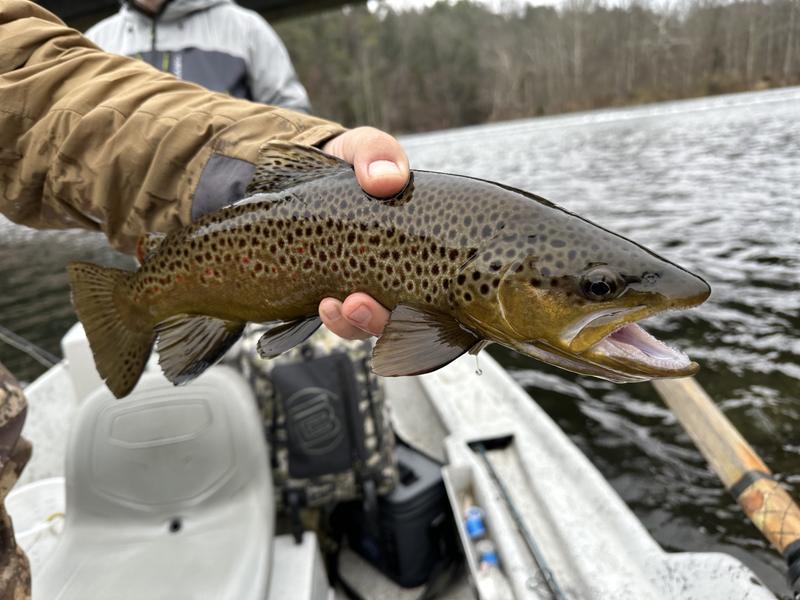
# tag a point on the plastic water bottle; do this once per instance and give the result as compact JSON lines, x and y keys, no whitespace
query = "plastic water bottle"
{"x":473,"y":521}
{"x":487,"y":555}
{"x":491,"y":581}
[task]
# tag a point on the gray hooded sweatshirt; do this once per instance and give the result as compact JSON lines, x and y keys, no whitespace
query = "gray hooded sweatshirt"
{"x":221,"y":46}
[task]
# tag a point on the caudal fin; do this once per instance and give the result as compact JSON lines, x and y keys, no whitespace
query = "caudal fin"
{"x":120,"y":348}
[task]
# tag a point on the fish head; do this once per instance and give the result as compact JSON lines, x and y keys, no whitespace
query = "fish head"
{"x":573,"y":299}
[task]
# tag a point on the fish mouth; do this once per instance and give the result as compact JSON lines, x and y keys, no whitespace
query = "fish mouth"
{"x":632,"y":351}
{"x":625,"y":355}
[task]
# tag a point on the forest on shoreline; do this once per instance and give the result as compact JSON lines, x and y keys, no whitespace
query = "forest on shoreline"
{"x":458,"y":63}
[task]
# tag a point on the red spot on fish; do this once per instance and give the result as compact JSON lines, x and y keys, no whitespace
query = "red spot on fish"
{"x":300,"y":249}
{"x":274,"y":269}
{"x":140,"y":249}
{"x":156,"y":289}
{"x":362,"y":249}
{"x":245,"y":260}
{"x":209,"y":272}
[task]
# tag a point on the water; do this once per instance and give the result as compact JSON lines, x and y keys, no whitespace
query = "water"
{"x":713,"y":184}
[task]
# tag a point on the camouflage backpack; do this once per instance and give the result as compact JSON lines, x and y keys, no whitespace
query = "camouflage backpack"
{"x":325,"y":418}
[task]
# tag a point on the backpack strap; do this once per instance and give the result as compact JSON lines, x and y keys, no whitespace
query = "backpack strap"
{"x":294,"y":501}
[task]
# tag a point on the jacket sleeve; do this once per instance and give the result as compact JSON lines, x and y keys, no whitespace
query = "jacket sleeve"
{"x":272,"y":76}
{"x":103,"y":142}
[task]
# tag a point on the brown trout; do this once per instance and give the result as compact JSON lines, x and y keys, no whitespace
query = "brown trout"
{"x":460,"y":262}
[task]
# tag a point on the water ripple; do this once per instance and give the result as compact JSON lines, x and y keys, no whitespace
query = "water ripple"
{"x":713,"y":185}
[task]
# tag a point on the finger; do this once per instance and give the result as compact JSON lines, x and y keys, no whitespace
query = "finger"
{"x":364,"y":312}
{"x":330,"y":311}
{"x":380,"y":163}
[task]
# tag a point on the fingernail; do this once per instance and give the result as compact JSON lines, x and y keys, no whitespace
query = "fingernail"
{"x":361,"y":316}
{"x":331,"y":311}
{"x":380,"y":168}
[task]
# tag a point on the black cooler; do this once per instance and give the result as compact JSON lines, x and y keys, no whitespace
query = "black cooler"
{"x":412,"y":533}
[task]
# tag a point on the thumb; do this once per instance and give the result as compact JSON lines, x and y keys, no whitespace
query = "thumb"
{"x":380,"y":163}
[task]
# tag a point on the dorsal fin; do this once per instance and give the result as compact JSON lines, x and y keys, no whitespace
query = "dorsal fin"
{"x":148,"y":244}
{"x":282,"y":165}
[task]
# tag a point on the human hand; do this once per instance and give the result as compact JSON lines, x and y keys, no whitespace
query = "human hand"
{"x":381,"y":168}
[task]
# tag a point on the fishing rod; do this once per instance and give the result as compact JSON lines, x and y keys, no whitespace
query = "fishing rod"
{"x":533,"y":547}
{"x":744,"y":474}
{"x":40,"y":355}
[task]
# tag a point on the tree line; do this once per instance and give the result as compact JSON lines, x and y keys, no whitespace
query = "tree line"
{"x":455,"y":64}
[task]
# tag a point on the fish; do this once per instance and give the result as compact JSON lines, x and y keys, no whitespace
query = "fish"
{"x":460,"y":262}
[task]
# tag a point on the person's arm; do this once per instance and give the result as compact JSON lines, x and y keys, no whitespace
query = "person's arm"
{"x":272,"y":76}
{"x":100,"y":141}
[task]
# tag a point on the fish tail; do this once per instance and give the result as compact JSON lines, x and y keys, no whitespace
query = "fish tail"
{"x":120,"y":345}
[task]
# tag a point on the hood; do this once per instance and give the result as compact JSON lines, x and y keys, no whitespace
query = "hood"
{"x":173,"y":10}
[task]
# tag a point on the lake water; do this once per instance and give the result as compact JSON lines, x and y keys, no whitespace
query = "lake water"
{"x":712,"y":184}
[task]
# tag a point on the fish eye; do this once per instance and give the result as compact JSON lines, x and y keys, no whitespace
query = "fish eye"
{"x":600,"y":284}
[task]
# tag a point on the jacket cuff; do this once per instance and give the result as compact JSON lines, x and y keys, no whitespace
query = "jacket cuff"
{"x":224,"y":179}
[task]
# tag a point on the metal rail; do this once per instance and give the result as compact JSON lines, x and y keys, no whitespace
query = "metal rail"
{"x":40,"y":355}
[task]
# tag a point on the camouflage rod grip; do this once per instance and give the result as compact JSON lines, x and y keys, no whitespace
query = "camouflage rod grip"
{"x":15,"y":451}
{"x":747,"y":478}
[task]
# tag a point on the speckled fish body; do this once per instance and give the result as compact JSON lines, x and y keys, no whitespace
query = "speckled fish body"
{"x":461,"y":262}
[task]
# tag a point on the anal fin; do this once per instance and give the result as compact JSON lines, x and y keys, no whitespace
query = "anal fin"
{"x":286,"y":336}
{"x":417,"y":341}
{"x":188,"y":344}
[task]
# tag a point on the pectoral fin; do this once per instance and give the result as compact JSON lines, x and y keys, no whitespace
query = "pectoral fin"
{"x":188,"y":344}
{"x":286,"y":336}
{"x":417,"y":341}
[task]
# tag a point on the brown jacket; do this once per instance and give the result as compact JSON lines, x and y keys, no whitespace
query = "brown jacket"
{"x":104,"y":142}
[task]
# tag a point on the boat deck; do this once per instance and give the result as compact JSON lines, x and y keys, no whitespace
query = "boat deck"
{"x":592,"y":543}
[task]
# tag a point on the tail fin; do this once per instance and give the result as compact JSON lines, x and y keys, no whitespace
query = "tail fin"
{"x":120,"y":349}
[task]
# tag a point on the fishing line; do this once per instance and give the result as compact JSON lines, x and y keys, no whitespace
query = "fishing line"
{"x":533,"y":547}
{"x":40,"y":355}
